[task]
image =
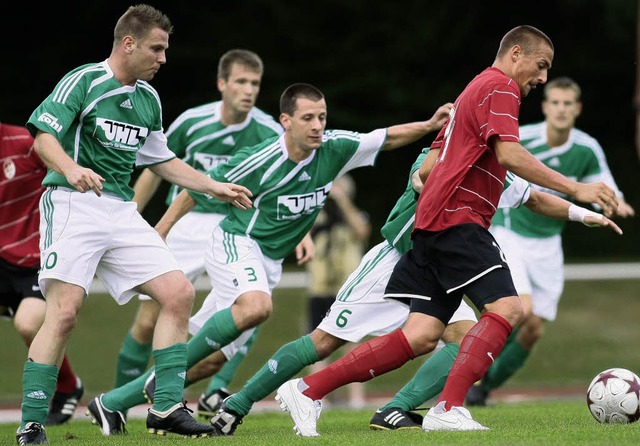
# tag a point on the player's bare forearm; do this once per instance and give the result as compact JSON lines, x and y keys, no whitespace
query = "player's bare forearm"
{"x":403,"y":134}
{"x":556,"y":207}
{"x":178,"y":208}
{"x":548,"y":205}
{"x":178,"y":172}
{"x":517,"y":159}
{"x":144,"y":188}
{"x":53,"y":155}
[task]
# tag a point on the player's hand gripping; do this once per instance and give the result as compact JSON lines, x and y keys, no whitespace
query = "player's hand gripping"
{"x":231,"y":193}
{"x":85,"y":179}
{"x":600,"y":194}
{"x":440,"y":116}
{"x":305,"y":250}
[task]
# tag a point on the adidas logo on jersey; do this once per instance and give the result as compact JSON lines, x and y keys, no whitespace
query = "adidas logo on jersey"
{"x":554,"y":162}
{"x":127,"y":104}
{"x":211,"y":343}
{"x":37,"y":395}
{"x":182,"y":375}
{"x":304,"y":176}
{"x":273,"y":366}
{"x":229,"y":141}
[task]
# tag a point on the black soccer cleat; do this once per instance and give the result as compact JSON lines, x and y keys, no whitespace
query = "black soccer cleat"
{"x":477,"y":395}
{"x":110,"y":422}
{"x":395,"y":419}
{"x":225,"y":421}
{"x":177,"y":420}
{"x":209,"y":403}
{"x":33,"y":433}
{"x":63,"y":405}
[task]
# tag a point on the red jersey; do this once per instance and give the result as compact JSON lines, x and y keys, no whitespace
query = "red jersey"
{"x":20,"y":190}
{"x":466,"y":182}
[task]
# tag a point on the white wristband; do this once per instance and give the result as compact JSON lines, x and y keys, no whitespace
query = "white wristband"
{"x":577,"y":213}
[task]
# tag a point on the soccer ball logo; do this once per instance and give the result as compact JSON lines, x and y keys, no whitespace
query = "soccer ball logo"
{"x":614,"y":396}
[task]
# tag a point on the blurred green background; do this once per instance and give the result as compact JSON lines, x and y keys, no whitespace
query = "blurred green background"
{"x":597,"y":328}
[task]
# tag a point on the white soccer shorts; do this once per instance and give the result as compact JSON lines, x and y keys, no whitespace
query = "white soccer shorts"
{"x":83,"y":235}
{"x":537,"y":268}
{"x":361,"y":310}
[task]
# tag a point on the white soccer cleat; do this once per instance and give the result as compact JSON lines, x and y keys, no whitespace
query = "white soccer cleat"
{"x":456,"y":419}
{"x":303,"y":410}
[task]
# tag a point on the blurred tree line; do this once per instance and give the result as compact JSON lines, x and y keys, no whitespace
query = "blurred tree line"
{"x":378,"y":63}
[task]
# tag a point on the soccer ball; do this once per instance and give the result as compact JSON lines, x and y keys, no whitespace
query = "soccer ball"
{"x":614,"y":396}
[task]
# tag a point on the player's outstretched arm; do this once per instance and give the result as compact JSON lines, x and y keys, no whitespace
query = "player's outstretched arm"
{"x":144,"y":188}
{"x":556,"y":207}
{"x":515,"y":158}
{"x":179,"y":207}
{"x":403,"y":134}
{"x":178,"y":172}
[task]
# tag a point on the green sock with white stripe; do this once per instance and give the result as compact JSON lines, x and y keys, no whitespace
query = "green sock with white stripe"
{"x":285,"y":363}
{"x":170,"y":366}
{"x":38,"y":384}
{"x":217,"y":332}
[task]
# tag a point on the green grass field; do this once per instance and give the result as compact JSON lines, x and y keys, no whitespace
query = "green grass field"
{"x":553,"y":423}
{"x":596,"y":329}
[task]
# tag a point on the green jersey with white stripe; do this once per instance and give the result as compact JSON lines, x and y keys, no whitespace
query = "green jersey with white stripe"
{"x":287,"y":196}
{"x":581,"y":158}
{"x":103,"y":125}
{"x":201,"y":140}
{"x":397,"y":229}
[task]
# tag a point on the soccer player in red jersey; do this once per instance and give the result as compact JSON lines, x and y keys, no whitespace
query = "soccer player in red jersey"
{"x":453,"y":252}
{"x":20,"y":295}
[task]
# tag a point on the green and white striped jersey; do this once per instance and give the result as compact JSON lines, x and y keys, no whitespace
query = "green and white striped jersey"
{"x":200,"y":139}
{"x":397,"y":229}
{"x":581,"y":158}
{"x":287,"y":196}
{"x":103,"y":125}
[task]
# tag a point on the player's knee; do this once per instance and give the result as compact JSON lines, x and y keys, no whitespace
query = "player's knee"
{"x":65,"y":318}
{"x":510,"y":308}
{"x":182,"y":295}
{"x":253,"y":309}
{"x":261,"y":313}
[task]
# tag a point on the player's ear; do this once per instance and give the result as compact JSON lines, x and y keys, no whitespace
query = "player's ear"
{"x":578,"y":108}
{"x":516,"y":53}
{"x":285,"y":121}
